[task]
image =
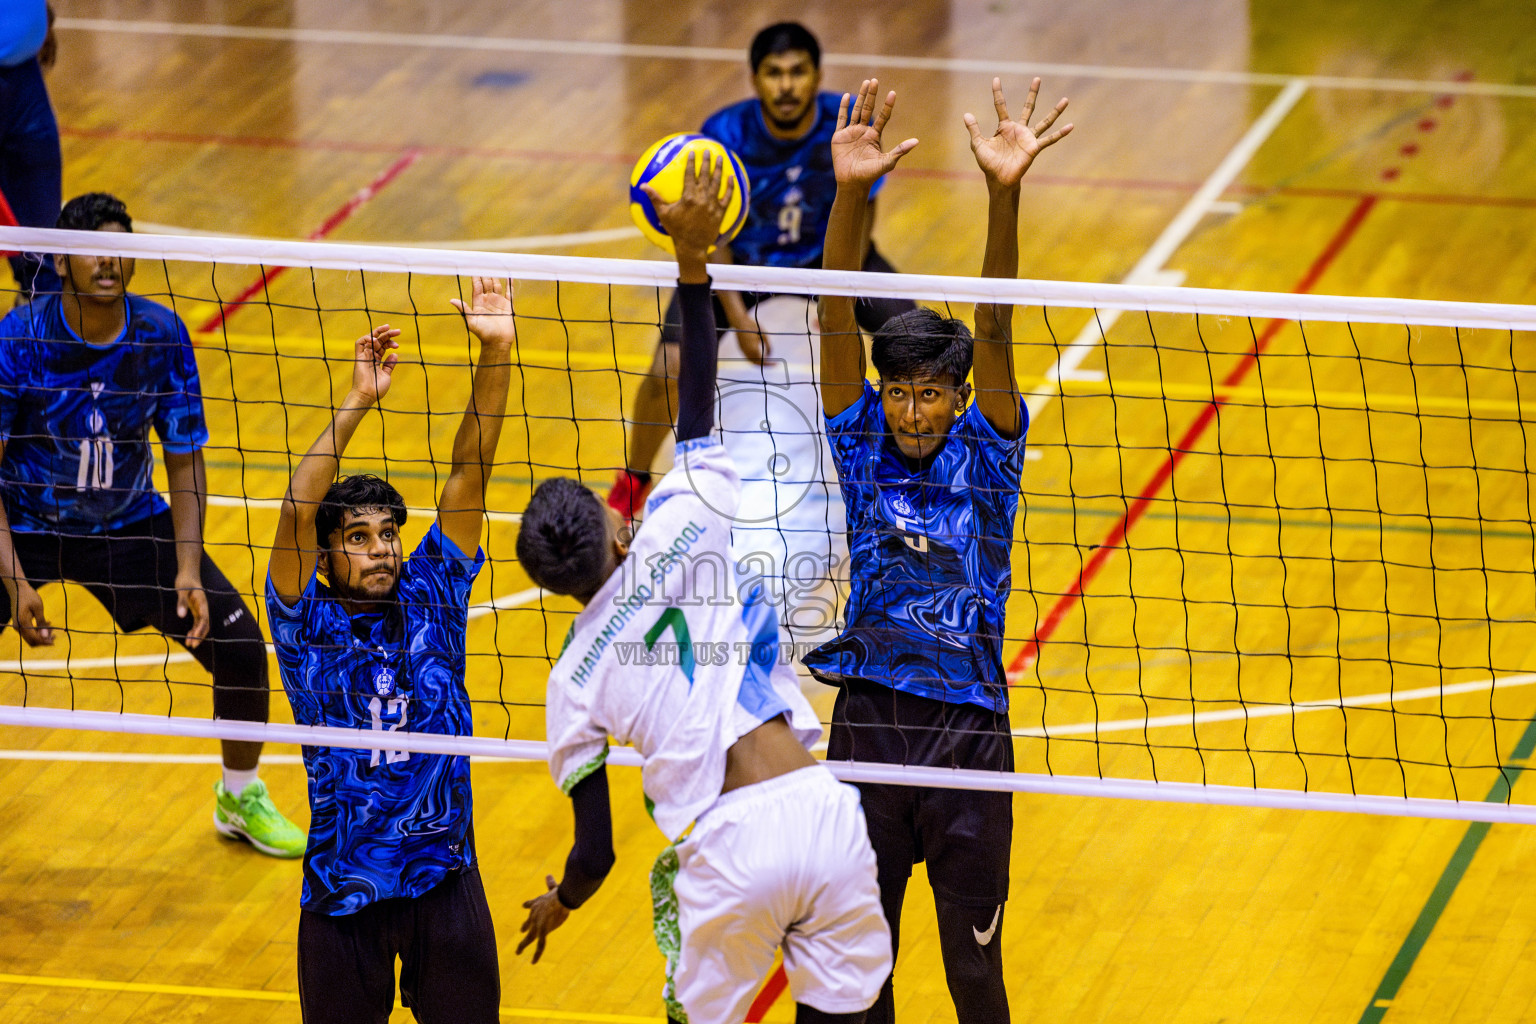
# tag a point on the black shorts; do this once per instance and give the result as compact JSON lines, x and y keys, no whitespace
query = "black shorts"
{"x":132,"y":572}
{"x":965,"y":836}
{"x":447,"y":951}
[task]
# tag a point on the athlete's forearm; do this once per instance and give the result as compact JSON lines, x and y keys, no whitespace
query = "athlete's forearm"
{"x":10,"y":565}
{"x":474,"y":446}
{"x":1000,"y":259}
{"x":185,"y":473}
{"x":699,"y":358}
{"x":317,"y":469}
{"x":847,"y":234}
{"x":591,"y":856}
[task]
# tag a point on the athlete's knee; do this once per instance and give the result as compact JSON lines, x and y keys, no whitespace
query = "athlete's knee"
{"x":235,"y":653}
{"x":971,"y":941}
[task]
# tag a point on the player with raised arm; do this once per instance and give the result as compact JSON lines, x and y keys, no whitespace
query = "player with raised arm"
{"x":782,"y":137}
{"x":85,"y":375}
{"x":666,"y":656}
{"x":931,"y":482}
{"x":379,"y":644}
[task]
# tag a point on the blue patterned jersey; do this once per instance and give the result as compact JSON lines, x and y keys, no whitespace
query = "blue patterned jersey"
{"x":792,"y":183}
{"x":75,"y":417}
{"x":929,"y":550}
{"x":382,"y":823}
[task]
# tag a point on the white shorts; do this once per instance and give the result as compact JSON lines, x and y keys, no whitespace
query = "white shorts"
{"x":783,"y":863}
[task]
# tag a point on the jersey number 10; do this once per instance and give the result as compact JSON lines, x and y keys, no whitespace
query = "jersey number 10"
{"x":95,"y":473}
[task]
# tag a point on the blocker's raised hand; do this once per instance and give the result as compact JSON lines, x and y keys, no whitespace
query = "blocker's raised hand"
{"x":694,"y":221}
{"x":856,"y":154}
{"x":1006,"y":154}
{"x":373,"y":368}
{"x":489,"y":311}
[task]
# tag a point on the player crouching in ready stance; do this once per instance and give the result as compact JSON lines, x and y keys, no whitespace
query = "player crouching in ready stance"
{"x":778,"y":855}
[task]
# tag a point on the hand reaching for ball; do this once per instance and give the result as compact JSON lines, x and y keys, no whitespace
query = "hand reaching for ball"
{"x":694,"y":220}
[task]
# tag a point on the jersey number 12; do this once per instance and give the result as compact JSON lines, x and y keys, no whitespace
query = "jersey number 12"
{"x":377,"y":710}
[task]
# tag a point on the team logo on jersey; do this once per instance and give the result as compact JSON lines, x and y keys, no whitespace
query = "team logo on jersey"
{"x":384,"y":679}
{"x":903,"y":507}
{"x":792,"y":173}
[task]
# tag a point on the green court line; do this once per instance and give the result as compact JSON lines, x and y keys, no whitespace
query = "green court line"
{"x":1440,"y":896}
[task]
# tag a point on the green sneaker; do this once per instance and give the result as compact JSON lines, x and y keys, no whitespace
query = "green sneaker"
{"x":252,"y":817}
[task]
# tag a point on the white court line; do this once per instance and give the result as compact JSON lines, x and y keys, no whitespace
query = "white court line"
{"x":847,"y":771}
{"x":513,"y":600}
{"x":1075,"y":729}
{"x":872,"y":61}
{"x":513,"y":243}
{"x":1277,"y":710}
{"x":1149,"y":269}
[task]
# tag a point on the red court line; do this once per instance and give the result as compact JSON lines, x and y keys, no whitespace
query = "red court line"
{"x":1185,"y":445}
{"x":626,"y":159}
{"x":347,"y":209}
{"x":341,"y":145}
{"x":772,"y":988}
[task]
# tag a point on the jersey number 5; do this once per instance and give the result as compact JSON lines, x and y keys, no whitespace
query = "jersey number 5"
{"x":673,"y":619}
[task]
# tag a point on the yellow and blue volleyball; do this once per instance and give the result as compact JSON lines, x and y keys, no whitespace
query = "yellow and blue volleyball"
{"x":662,"y":167}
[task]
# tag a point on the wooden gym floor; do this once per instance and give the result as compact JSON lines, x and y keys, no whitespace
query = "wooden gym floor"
{"x":1375,"y":149}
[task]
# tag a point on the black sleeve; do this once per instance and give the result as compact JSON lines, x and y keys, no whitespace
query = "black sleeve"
{"x":592,"y":853}
{"x":700,"y":355}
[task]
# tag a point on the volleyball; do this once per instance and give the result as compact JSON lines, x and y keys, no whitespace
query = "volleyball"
{"x":662,"y":167}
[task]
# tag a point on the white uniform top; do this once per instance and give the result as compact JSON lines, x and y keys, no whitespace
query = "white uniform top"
{"x":790,"y":528}
{"x":669,"y":656}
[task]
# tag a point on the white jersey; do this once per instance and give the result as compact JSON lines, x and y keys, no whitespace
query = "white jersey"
{"x":790,"y":528}
{"x":670,"y":656}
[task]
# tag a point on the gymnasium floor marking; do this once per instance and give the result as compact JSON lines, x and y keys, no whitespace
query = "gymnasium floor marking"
{"x":736,"y":55}
{"x":515,"y":599}
{"x":1257,"y":192}
{"x":1267,"y":710}
{"x":289,"y":997}
{"x":1149,"y":269}
{"x":1440,"y":896}
{"x":1136,"y":509}
{"x":1051,"y":731}
{"x":337,"y":217}
{"x":514,"y":243}
{"x":1082,"y":385}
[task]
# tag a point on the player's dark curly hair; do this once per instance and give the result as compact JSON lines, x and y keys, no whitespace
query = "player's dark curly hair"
{"x":361,"y":490}
{"x":922,"y":345}
{"x":90,"y":211}
{"x":561,"y":542}
{"x":782,"y":38}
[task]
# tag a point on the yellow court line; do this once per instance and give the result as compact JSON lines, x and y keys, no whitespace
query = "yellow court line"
{"x":1201,"y":392}
{"x":440,"y":351}
{"x":288,"y":997}
{"x":1294,"y":397}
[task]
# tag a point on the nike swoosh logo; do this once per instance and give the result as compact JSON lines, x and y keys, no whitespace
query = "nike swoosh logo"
{"x":984,"y":937}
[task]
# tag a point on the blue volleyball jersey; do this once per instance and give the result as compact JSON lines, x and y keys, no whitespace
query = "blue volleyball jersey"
{"x":382,"y":823}
{"x":929,"y":557}
{"x":76,"y":417}
{"x":792,"y":183}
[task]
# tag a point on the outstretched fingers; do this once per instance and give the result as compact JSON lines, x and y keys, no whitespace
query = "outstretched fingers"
{"x":1049,"y":119}
{"x":1000,"y":104}
{"x":885,"y":111}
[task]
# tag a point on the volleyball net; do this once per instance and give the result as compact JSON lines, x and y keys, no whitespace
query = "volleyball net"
{"x":1271,"y":550}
